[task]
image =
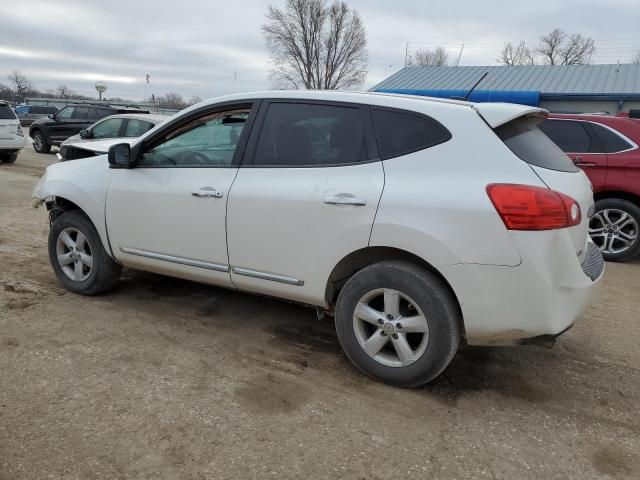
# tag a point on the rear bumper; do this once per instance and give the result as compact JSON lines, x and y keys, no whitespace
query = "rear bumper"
{"x":542,"y":297}
{"x":12,"y":144}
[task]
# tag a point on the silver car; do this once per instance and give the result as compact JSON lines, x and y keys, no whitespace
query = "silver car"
{"x":108,"y":131}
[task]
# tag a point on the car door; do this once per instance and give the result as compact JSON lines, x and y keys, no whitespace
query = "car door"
{"x":623,"y":156}
{"x":79,"y":121}
{"x":579,"y":142}
{"x":59,"y":127}
{"x":107,"y":128}
{"x":305,"y":197}
{"x":167,"y":214}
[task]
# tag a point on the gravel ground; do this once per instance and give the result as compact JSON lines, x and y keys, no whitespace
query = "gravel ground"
{"x":164,"y":378}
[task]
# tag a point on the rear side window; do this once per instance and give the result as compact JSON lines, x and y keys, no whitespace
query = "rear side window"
{"x":6,"y":113}
{"x":611,"y":141}
{"x":526,"y":140}
{"x":401,"y":133}
{"x":103,"y":112}
{"x":571,"y":136}
{"x":136,"y":127}
{"x":82,"y":113}
{"x":300,"y":135}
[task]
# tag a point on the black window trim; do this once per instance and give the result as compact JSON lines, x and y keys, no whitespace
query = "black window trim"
{"x":422,"y":116}
{"x":594,"y":135}
{"x":252,"y":105}
{"x":370,"y":142}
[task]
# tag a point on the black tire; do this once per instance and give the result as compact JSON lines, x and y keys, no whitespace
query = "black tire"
{"x":8,"y":157}
{"x":432,"y":297}
{"x":40,"y":144}
{"x":618,"y":205}
{"x":104,"y":272}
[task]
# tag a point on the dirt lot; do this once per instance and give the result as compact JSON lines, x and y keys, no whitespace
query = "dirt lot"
{"x":168,"y":379}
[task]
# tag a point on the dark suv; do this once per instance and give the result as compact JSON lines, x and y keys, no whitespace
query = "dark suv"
{"x":68,"y":121}
{"x":606,"y":148}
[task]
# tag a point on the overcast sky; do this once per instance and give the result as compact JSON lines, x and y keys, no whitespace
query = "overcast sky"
{"x":193,"y":47}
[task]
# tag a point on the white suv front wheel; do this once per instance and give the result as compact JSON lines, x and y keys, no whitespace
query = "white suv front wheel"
{"x":398,"y":323}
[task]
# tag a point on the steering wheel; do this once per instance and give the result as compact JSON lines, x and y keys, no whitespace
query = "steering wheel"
{"x":195,"y":158}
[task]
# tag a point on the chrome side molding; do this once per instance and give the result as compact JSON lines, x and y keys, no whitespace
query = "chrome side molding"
{"x":180,"y":260}
{"x":267,"y":276}
{"x":213,"y":266}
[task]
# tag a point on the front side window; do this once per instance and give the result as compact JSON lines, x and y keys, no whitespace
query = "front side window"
{"x":208,"y":141}
{"x":297,"y":134}
{"x":108,"y":128}
{"x":401,"y":133}
{"x":611,"y":141}
{"x":571,"y":136}
{"x":66,"y":113}
{"x":136,"y":127}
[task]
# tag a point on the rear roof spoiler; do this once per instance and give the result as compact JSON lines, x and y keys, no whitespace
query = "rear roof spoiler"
{"x":496,"y":114}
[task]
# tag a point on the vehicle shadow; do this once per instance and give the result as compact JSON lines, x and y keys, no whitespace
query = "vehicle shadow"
{"x":294,"y":332}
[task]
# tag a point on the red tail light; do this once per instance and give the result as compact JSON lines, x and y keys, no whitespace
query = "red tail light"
{"x":524,"y":207}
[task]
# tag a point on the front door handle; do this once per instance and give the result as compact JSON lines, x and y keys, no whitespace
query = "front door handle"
{"x":206,"y":192}
{"x":578,"y":162}
{"x":338,"y":200}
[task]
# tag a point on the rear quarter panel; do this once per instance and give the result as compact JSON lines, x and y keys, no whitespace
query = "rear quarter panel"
{"x":435,"y":204}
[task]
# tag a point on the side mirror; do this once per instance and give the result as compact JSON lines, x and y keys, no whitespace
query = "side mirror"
{"x":52,"y":116}
{"x":85,"y":134}
{"x":120,"y":156}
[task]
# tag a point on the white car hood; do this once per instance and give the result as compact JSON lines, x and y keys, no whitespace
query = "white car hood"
{"x":496,"y":114}
{"x":100,"y":146}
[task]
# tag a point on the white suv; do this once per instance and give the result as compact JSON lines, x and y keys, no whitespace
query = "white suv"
{"x":417,"y":223}
{"x":11,"y":134}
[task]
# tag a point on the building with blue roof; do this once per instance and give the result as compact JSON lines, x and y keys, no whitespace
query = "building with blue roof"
{"x":558,"y":88}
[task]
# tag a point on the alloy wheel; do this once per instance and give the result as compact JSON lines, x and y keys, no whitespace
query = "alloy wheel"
{"x":74,"y":254}
{"x":614,"y":231}
{"x":390,"y":327}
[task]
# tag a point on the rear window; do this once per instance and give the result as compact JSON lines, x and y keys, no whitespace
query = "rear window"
{"x":401,"y":133}
{"x":526,"y":140}
{"x":6,"y":113}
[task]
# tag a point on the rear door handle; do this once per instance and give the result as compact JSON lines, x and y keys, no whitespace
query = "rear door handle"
{"x":337,"y":200}
{"x":206,"y":192}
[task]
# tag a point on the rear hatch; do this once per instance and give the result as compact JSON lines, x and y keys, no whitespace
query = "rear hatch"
{"x":8,"y":122}
{"x":523,"y":137}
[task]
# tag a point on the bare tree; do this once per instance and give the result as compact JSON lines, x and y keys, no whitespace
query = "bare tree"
{"x":64,"y":92}
{"x":172,"y":100}
{"x":636,"y":59}
{"x":425,"y":57}
{"x":22,"y":85}
{"x":5,"y":92}
{"x":520,"y":55}
{"x":193,"y":100}
{"x":316,"y":45}
{"x":576,"y":50}
{"x":550,"y":46}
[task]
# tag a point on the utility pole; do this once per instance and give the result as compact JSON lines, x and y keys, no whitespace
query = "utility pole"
{"x":459,"y":55}
{"x":406,"y":52}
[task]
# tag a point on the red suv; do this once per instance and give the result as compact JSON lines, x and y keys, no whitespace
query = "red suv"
{"x":606,"y":148}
